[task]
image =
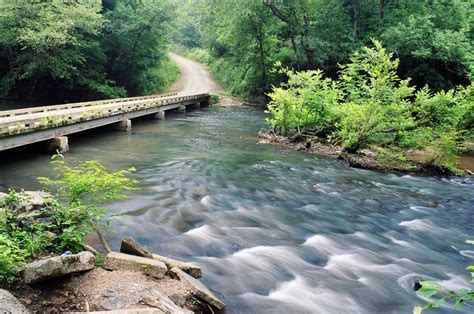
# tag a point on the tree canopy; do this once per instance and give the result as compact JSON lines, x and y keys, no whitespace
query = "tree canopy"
{"x":85,"y":49}
{"x":433,"y":39}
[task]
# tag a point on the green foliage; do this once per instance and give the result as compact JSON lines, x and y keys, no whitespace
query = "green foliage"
{"x":306,"y":103}
{"x":370,"y":105}
{"x":136,"y":40}
{"x":83,"y":50}
{"x":87,"y":183}
{"x":79,"y":190}
{"x":456,"y":298}
{"x":433,"y":39}
{"x":18,"y":241}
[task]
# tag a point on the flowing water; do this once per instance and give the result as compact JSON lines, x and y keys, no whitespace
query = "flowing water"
{"x":276,"y":230}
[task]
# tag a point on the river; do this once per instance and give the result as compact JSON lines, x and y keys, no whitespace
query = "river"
{"x":275,"y":230}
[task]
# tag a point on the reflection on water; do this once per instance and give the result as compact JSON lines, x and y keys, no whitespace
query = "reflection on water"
{"x":275,"y":230}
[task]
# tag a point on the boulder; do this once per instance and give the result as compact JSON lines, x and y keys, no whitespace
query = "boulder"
{"x":58,"y":266}
{"x":178,"y":299}
{"x":10,"y":304}
{"x":115,"y":299}
{"x":31,"y":200}
{"x":130,"y":246}
{"x":199,"y":289}
{"x":148,"y":266}
{"x":194,"y":271}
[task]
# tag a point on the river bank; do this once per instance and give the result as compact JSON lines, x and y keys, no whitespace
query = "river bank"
{"x":132,"y":278}
{"x":363,"y":159}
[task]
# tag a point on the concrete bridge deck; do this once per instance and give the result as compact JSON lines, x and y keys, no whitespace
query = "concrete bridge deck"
{"x":31,"y":125}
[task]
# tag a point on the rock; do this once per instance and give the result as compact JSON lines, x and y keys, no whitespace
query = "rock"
{"x":30,"y":200}
{"x":38,"y":198}
{"x":130,"y":246}
{"x":199,"y":289}
{"x":114,"y":299}
{"x":148,"y":266}
{"x":194,"y":271}
{"x":178,"y":299}
{"x":10,"y":304}
{"x":58,"y":266}
{"x":200,"y":191}
{"x":31,"y":215}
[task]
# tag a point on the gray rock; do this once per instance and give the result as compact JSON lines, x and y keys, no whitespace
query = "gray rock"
{"x":199,"y":289}
{"x":178,"y":299}
{"x":114,"y":299}
{"x":10,"y":304}
{"x":194,"y":271}
{"x":58,"y":266}
{"x":30,"y":200}
{"x":29,"y":215}
{"x":148,"y":266}
{"x":130,"y":246}
{"x":33,"y":200}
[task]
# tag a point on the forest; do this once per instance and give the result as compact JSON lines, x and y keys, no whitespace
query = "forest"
{"x":62,"y":51}
{"x":244,"y":40}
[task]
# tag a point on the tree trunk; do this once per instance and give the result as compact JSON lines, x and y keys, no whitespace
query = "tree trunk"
{"x":382,"y":12}
{"x":355,"y":18}
{"x":33,"y":87}
{"x":307,"y":49}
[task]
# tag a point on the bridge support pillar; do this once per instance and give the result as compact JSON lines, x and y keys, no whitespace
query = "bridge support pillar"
{"x":182,"y":109}
{"x":58,"y":144}
{"x":160,"y":115}
{"x":124,"y":125}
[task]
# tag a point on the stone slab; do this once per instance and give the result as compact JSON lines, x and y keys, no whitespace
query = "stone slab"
{"x":148,"y":266}
{"x":199,"y":289}
{"x":57,"y":266}
{"x":192,"y":270}
{"x":10,"y":304}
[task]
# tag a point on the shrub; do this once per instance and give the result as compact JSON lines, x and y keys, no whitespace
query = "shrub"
{"x":369,"y":105}
{"x":76,"y":211}
{"x":306,"y":103}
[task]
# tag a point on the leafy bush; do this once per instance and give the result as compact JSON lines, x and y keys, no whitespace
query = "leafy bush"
{"x":305,"y":103}
{"x":370,"y":105}
{"x":75,"y":212}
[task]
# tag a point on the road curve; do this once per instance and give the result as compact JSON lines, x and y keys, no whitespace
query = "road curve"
{"x":195,"y":78}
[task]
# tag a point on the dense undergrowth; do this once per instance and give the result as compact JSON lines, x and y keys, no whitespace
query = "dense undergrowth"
{"x":64,"y":220}
{"x":370,"y":106}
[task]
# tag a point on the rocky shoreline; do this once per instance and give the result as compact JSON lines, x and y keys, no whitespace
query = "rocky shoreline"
{"x":133,"y":279}
{"x":364,"y":159}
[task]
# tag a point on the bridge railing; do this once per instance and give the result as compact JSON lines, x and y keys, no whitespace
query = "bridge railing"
{"x":95,"y":110}
{"x":32,"y":110}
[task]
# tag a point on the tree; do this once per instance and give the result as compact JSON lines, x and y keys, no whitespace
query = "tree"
{"x":52,"y":42}
{"x":136,"y":39}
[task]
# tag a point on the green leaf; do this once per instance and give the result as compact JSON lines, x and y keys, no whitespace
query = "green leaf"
{"x":428,"y":288}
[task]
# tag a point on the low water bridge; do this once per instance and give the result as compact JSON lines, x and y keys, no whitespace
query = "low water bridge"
{"x":53,"y":123}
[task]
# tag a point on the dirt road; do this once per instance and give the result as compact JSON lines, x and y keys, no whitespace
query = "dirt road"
{"x":195,"y":78}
